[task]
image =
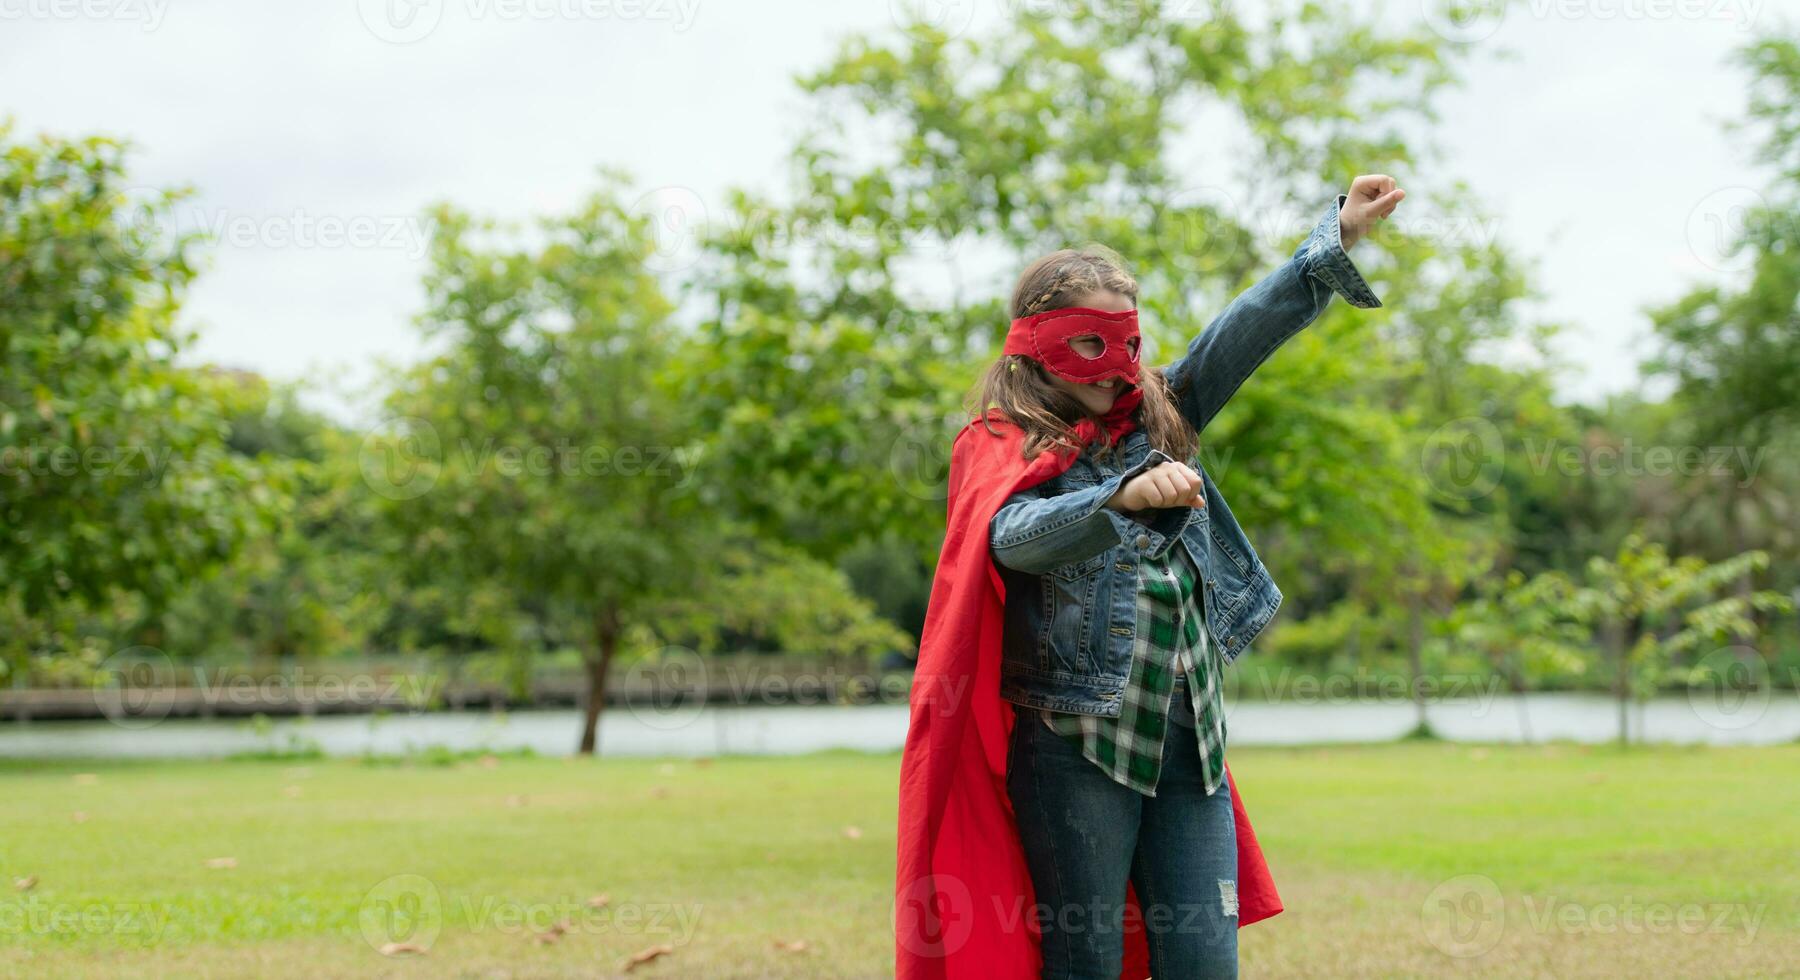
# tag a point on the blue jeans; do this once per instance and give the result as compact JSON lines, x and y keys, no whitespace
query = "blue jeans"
{"x":1084,"y":835}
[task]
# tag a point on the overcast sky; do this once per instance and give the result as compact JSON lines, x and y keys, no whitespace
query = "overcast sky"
{"x":315,"y":132}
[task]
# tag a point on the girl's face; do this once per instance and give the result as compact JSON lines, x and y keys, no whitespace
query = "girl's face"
{"x":1096,"y":398}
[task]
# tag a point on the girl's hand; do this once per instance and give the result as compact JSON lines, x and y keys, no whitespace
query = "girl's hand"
{"x":1371,"y":198}
{"x":1162,"y":485}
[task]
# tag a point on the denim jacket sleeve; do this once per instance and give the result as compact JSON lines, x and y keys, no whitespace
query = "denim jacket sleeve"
{"x":1242,"y":337}
{"x":1036,"y":533}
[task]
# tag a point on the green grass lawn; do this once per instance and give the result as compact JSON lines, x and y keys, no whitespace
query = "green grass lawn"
{"x":1414,"y":859}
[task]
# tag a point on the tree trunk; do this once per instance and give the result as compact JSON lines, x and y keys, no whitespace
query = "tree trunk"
{"x":1515,"y":678}
{"x":599,"y":663}
{"x":1615,"y":647}
{"x":1415,"y":652}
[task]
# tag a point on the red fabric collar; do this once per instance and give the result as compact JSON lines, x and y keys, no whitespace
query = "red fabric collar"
{"x":963,"y":896}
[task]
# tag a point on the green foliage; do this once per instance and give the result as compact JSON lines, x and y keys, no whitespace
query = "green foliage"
{"x":1640,"y":609}
{"x":1059,"y":130}
{"x":1657,"y":607}
{"x":596,"y":458}
{"x":1732,"y":348}
{"x":781,"y":599}
{"x":118,"y":487}
{"x":1524,"y":626}
{"x":310,"y":586}
{"x":546,"y":481}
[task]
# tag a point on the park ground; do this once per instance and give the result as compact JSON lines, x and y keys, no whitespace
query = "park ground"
{"x":1411,"y":859}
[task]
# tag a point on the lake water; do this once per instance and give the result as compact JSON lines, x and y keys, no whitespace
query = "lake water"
{"x":1761,"y":719}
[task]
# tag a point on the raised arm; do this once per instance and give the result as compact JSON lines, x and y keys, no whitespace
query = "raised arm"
{"x":1260,"y":320}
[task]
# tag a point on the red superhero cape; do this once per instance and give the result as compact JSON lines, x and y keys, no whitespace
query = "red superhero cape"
{"x":963,"y":896}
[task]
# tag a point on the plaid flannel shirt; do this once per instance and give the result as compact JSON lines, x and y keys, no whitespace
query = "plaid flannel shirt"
{"x":1170,"y":638}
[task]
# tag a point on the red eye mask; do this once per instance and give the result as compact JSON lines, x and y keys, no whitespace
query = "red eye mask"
{"x":1044,"y":337}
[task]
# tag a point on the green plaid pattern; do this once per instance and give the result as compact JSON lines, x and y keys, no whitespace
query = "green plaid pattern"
{"x":1170,"y":637}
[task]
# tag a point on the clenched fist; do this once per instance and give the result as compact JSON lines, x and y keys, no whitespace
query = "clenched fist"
{"x":1371,"y":198}
{"x":1162,"y":485}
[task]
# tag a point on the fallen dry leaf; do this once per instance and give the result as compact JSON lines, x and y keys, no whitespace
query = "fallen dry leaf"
{"x":515,"y":800}
{"x":291,"y":792}
{"x":79,"y":816}
{"x":703,"y":762}
{"x":797,"y":946}
{"x":660,"y":792}
{"x":553,"y":934}
{"x":397,"y":949}
{"x":600,"y":901}
{"x":221,"y":862}
{"x":489,"y":762}
{"x":854,"y":833}
{"x":86,"y":779}
{"x":26,"y":883}
{"x":647,"y":954}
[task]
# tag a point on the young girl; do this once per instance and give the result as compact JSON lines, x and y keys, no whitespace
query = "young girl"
{"x":1065,"y":809}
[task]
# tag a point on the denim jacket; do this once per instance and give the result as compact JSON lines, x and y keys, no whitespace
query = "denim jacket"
{"x":1070,"y":563}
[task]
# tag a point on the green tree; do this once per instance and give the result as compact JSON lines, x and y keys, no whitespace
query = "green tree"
{"x":1647,"y":609}
{"x":1733,"y":350}
{"x":961,"y":159}
{"x":541,"y":451}
{"x":310,"y":585}
{"x":928,"y":152}
{"x":1641,"y":611}
{"x":546,"y":459}
{"x":117,"y":487}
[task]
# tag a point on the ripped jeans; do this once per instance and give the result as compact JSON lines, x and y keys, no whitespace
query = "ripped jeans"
{"x":1084,"y":835}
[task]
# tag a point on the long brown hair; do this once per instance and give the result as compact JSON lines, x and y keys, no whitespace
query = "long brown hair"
{"x":1022,"y":389}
